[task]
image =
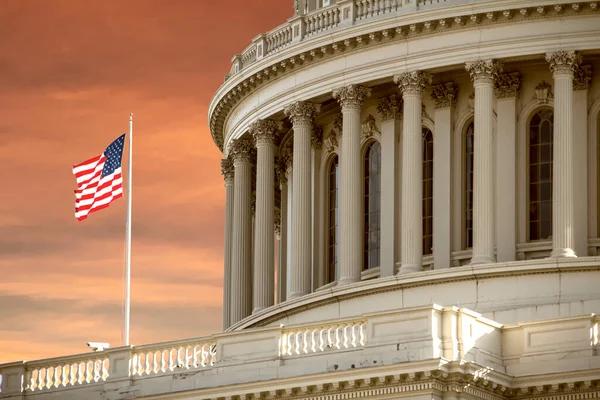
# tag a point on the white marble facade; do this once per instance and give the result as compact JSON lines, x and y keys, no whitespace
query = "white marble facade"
{"x":411,"y":212}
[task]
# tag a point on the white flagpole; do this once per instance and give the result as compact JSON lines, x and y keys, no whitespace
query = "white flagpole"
{"x":128,"y":238}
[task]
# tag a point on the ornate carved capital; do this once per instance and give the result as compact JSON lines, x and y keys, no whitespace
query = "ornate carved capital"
{"x":582,"y":77}
{"x":412,"y":82}
{"x":316,"y":137}
{"x":390,"y":108}
{"x":241,"y":150}
{"x":277,"y":222}
{"x":508,"y":85}
{"x":300,"y":112}
{"x":227,"y":170}
{"x":484,"y":71}
{"x":563,"y":62}
{"x":264,"y":131}
{"x":369,"y":128}
{"x":351,"y":96}
{"x":444,"y":95}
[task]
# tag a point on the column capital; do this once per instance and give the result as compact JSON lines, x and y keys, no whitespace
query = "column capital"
{"x":412,"y":82}
{"x":316,"y":137}
{"x":390,"y":107}
{"x":264,"y":131}
{"x":227,"y":171}
{"x":582,"y":77}
{"x":508,"y":85}
{"x":241,"y":150}
{"x":281,"y":172}
{"x":351,"y":96}
{"x":301,"y":112}
{"x":484,"y":71}
{"x":563,"y":62}
{"x":444,"y":94}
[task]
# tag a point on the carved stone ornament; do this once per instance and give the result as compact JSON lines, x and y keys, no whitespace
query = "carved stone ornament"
{"x":338,"y":125}
{"x":369,"y":128}
{"x":412,"y":82}
{"x":444,"y":95}
{"x":281,"y":171}
{"x":508,"y":85}
{"x":241,"y":150}
{"x":351,"y":96}
{"x":563,"y":62}
{"x":390,"y":108}
{"x":582,"y":77}
{"x":484,"y":71}
{"x":277,"y":222}
{"x":300,"y":112}
{"x":543,"y":92}
{"x":471,"y":101}
{"x":331,"y":142}
{"x":227,"y":170}
{"x":316,"y":137}
{"x":264,"y":131}
{"x":424,"y":111}
{"x":286,"y":155}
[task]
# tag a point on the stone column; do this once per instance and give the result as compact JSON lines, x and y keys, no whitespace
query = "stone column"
{"x":484,"y":73}
{"x":290,"y":197}
{"x":301,"y":114}
{"x":283,"y":230}
{"x":390,"y":109}
{"x":444,"y":97}
{"x":351,"y":99}
{"x":241,"y":278}
{"x":265,"y":135}
{"x":507,"y":90}
{"x":317,"y":206}
{"x":562,"y":65}
{"x":227,"y":171}
{"x":411,"y":84}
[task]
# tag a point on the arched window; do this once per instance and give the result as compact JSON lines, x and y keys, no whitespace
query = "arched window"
{"x":372,"y":205}
{"x":540,"y":175}
{"x":468,"y":179}
{"x":333,"y":220}
{"x":427,"y":191}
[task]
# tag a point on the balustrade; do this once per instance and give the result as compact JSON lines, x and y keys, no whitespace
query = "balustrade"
{"x":70,"y":372}
{"x":316,"y":339}
{"x":152,"y":360}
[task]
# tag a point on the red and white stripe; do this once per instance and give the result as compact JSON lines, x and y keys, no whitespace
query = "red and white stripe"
{"x":95,"y":192}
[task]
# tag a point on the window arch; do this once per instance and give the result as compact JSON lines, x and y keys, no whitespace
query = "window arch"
{"x":468,"y":152}
{"x":540,"y":158}
{"x":333,"y":220}
{"x":372,"y":205}
{"x":427,"y":191}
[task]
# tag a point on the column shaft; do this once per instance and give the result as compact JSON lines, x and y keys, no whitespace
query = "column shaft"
{"x":227,"y":170}
{"x":442,"y":190}
{"x":283,"y":239}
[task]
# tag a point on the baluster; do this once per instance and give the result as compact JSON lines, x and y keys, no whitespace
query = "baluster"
{"x":41,"y":378}
{"x":297,"y":343}
{"x":338,"y":340}
{"x":306,"y":338}
{"x":290,"y":339}
{"x":35,"y":376}
{"x":314,"y":340}
{"x":354,"y":341}
{"x":73,"y":374}
{"x":57,"y":376}
{"x":362,"y":334}
{"x":29,"y":381}
{"x":345,"y":336}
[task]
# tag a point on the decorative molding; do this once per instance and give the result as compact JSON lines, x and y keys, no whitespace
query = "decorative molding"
{"x":338,"y":125}
{"x":412,"y":83}
{"x":227,"y":171}
{"x":582,"y":77}
{"x":316,"y":137}
{"x":369,"y":128}
{"x":543,"y":92}
{"x":264,"y":131}
{"x":484,"y":71}
{"x":563,"y":62}
{"x":390,"y":107}
{"x":241,"y":150}
{"x":351,"y":96}
{"x":302,"y":59}
{"x":508,"y":85}
{"x":444,"y":95}
{"x":281,"y":171}
{"x":301,"y":112}
{"x":331,"y":142}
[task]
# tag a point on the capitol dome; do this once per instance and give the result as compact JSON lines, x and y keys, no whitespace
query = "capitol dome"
{"x":412,"y":211}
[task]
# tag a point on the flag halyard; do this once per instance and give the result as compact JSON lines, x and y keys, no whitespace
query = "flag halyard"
{"x":99,"y":180}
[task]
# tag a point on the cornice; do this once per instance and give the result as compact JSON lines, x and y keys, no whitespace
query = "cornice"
{"x":357,"y":38}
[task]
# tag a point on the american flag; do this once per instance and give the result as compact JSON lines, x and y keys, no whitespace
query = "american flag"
{"x":99,"y":180}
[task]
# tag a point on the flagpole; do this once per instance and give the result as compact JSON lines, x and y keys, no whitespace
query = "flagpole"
{"x":128,"y":238}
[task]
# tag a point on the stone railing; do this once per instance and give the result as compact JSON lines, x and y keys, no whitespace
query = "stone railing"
{"x":319,"y":338}
{"x":326,"y":20}
{"x":176,"y":356}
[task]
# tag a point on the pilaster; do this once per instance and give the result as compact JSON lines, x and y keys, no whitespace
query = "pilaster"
{"x":317,"y":206}
{"x":390,"y":109}
{"x":484,"y":74}
{"x":301,"y":114}
{"x":281,"y":175}
{"x":351,"y":98}
{"x":265,"y":135}
{"x":444,"y":97}
{"x":411,"y":85}
{"x":227,"y":170}
{"x":563,"y":65}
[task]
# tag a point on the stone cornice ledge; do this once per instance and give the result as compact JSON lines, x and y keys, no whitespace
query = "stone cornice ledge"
{"x":357,"y":37}
{"x":424,"y":278}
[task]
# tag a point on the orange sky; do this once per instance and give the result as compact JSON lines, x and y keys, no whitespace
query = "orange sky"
{"x":70,"y":73}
